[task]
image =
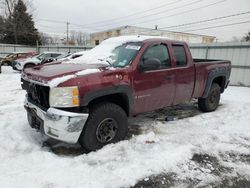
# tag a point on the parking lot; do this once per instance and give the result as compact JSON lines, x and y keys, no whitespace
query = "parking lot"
{"x":195,"y":149}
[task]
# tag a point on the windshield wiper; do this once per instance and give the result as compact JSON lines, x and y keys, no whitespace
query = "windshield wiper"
{"x":106,"y":60}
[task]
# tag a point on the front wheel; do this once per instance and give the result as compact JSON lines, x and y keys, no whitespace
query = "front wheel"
{"x":107,"y":123}
{"x":29,"y":65}
{"x":210,"y":103}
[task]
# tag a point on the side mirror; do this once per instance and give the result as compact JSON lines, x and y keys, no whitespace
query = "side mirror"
{"x":150,"y":64}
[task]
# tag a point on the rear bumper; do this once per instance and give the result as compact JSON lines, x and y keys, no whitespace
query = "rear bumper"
{"x":57,"y":124}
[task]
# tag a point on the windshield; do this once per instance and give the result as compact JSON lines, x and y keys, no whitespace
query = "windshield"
{"x":113,"y":52}
{"x":122,"y":55}
{"x":63,"y":56}
{"x":41,"y":56}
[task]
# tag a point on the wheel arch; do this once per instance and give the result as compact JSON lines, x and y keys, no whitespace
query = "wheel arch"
{"x":219,"y":76}
{"x":120,"y":95}
{"x":29,"y":63}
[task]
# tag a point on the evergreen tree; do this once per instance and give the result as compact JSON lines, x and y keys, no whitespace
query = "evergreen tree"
{"x":2,"y":26}
{"x":19,"y":27}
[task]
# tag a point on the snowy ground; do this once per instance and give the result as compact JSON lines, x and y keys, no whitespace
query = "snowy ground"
{"x":196,"y":149}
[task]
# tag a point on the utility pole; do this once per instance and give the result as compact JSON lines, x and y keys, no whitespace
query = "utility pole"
{"x":67,"y":32}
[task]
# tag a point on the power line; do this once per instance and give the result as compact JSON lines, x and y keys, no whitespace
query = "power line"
{"x":86,"y":27}
{"x":183,"y":12}
{"x":53,"y":21}
{"x":63,"y":22}
{"x":134,"y":14}
{"x":153,"y":14}
{"x":235,"y":19}
{"x":217,"y":26}
{"x":207,"y":20}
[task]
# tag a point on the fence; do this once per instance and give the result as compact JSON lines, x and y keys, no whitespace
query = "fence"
{"x":9,"y":48}
{"x":238,"y":53}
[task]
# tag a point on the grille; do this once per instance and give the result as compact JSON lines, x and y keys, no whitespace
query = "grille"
{"x":37,"y":94}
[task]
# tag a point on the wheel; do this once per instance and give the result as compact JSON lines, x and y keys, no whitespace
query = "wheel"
{"x":210,"y":103}
{"x":107,"y":123}
{"x":28,"y":65}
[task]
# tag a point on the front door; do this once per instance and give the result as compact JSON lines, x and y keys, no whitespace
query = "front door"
{"x":155,"y":88}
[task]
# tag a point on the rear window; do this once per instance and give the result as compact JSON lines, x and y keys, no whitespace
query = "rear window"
{"x":180,"y":55}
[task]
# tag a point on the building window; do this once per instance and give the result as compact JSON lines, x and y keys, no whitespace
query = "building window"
{"x":97,"y":42}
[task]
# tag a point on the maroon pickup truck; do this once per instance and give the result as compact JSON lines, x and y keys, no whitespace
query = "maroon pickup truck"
{"x":89,"y":99}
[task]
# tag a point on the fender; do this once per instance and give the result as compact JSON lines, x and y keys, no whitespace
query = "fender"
{"x":213,"y":74}
{"x":122,"y":89}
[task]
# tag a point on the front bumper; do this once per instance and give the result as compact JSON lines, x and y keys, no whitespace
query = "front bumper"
{"x":58,"y":124}
{"x":17,"y":67}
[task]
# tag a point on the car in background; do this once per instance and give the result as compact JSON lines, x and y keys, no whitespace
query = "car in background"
{"x":64,"y":57}
{"x":51,"y":59}
{"x":36,"y":60}
{"x":73,"y":56}
{"x":8,"y":59}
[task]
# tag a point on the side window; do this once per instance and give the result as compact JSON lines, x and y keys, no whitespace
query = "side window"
{"x":160,"y":52}
{"x":55,"y":55}
{"x":180,"y":55}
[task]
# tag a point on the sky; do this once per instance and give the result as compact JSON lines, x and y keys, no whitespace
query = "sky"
{"x":96,"y":15}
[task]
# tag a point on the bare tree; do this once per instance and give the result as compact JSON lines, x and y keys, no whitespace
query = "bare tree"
{"x":247,"y":36}
{"x":7,"y":7}
{"x":80,"y":38}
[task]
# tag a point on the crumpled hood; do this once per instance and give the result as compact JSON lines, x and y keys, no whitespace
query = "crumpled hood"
{"x":48,"y":72}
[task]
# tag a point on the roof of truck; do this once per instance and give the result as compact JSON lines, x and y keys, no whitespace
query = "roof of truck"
{"x":136,"y":38}
{"x":133,"y":38}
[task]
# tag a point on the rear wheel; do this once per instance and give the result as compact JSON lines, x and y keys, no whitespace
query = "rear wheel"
{"x":210,"y":103}
{"x":107,"y":123}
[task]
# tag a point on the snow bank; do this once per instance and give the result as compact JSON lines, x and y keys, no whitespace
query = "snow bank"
{"x":161,"y":147}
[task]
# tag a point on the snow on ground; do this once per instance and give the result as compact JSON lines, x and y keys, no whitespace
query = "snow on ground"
{"x":159,"y":147}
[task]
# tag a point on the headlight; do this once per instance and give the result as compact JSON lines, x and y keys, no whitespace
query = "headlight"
{"x":64,"y":97}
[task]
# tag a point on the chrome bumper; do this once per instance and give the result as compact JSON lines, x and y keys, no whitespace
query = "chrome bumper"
{"x":59,"y":124}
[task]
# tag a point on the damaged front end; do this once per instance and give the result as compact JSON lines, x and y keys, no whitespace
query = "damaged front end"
{"x":56,"y":123}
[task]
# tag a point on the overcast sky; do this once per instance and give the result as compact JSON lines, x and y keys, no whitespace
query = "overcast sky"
{"x":97,"y":15}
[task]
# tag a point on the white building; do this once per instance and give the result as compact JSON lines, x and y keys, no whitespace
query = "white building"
{"x":96,"y":38}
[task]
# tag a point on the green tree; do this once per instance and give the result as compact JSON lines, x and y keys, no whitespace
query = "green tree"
{"x":19,"y":27}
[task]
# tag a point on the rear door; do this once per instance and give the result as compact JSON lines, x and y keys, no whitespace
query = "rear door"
{"x":184,"y":73}
{"x":154,"y":89}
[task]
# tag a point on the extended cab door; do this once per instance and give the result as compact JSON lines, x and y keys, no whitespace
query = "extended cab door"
{"x":184,"y":73}
{"x":154,"y":88}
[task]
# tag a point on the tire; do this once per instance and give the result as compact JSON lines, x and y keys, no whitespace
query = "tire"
{"x":107,"y":123}
{"x":212,"y":101}
{"x":29,"y":65}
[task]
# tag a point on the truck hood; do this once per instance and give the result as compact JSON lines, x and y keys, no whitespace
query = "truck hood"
{"x":48,"y":72}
